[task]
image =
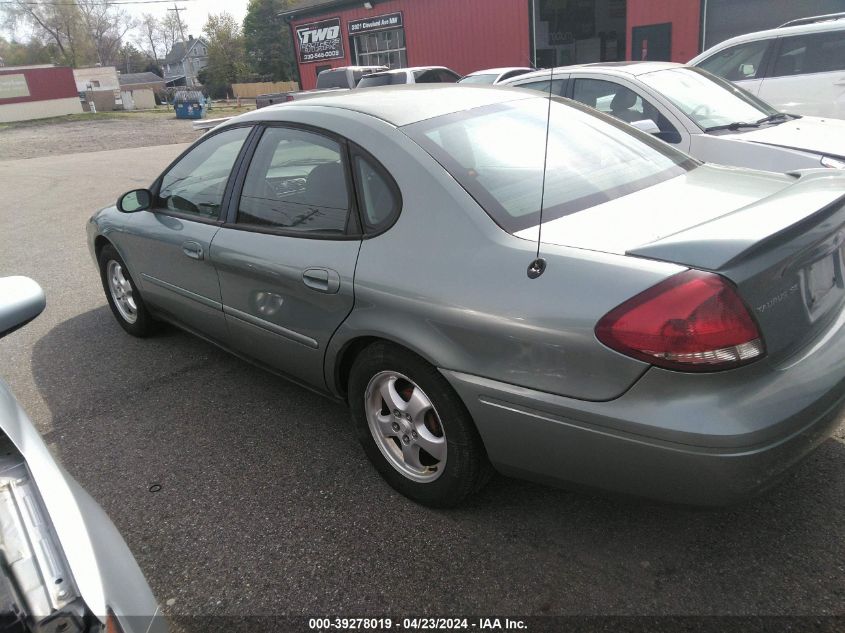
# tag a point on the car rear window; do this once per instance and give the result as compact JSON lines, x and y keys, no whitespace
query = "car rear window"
{"x":479,"y":79}
{"x":496,"y":153}
{"x":385,"y":79}
{"x":332,"y":79}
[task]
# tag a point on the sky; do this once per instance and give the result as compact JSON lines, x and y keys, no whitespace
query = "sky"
{"x":196,"y":11}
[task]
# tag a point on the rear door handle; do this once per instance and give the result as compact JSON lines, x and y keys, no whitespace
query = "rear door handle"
{"x":322,"y":280}
{"x":192,"y":250}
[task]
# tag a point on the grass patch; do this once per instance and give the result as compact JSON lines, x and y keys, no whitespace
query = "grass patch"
{"x":161,"y":112}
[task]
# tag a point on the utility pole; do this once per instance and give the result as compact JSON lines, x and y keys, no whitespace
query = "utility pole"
{"x":189,"y":70}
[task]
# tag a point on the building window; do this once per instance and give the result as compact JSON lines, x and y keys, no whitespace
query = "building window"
{"x":95,"y":84}
{"x":382,"y":48}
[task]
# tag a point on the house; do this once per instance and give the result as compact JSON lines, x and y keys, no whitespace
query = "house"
{"x":139,"y":90}
{"x":137,"y":81}
{"x":184,"y":62}
{"x":96,"y":78}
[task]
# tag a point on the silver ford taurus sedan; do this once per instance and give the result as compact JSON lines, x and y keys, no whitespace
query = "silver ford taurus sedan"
{"x":685,"y":340}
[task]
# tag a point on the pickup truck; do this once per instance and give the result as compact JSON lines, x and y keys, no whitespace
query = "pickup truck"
{"x":341,"y":78}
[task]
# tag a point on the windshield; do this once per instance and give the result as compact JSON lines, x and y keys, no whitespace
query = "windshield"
{"x":708,"y":100}
{"x":496,"y":153}
{"x":478,"y":79}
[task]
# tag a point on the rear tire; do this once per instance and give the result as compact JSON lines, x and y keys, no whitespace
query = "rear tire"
{"x":414,"y":428}
{"x":122,"y":294}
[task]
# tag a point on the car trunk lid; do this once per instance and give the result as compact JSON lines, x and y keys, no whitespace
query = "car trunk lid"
{"x":784,"y":252}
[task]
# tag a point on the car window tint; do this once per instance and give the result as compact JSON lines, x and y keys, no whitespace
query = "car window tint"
{"x":514,"y":73}
{"x":379,"y":203}
{"x":543,"y":86}
{"x":814,"y":53}
{"x":297,"y":182}
{"x":497,"y":154}
{"x":623,"y":103}
{"x":739,"y":62}
{"x":479,"y":79}
{"x":195,"y":185}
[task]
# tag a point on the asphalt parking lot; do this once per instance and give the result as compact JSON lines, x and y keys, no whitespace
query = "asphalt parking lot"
{"x":268,"y":506}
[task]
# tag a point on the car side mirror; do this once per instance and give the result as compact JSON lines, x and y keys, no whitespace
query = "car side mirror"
{"x":647,"y":125}
{"x":134,"y":201}
{"x":21,"y":300}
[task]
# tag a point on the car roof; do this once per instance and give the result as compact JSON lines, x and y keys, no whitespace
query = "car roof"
{"x":353,"y":68}
{"x":412,"y":69}
{"x":629,"y":68}
{"x":497,"y":71}
{"x":400,"y":105}
{"x":781,"y":31}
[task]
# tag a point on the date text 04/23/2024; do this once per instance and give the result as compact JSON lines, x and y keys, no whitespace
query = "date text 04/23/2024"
{"x":416,"y":624}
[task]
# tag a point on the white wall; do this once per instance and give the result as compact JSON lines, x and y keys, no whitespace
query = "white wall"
{"x":39,"y":109}
{"x":105,"y":75}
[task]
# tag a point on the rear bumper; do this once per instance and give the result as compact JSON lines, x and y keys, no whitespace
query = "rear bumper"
{"x":702,"y":439}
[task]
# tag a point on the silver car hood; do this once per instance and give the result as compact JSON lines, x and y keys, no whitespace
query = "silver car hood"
{"x":104,"y":570}
{"x":809,"y":134}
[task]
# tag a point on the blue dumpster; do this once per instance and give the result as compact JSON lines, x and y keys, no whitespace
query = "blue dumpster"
{"x":190,"y":104}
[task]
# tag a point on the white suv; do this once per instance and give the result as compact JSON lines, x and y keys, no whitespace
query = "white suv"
{"x":798,"y":68}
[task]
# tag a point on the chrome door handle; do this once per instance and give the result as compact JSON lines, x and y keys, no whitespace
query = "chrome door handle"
{"x":192,"y":250}
{"x":322,"y":280}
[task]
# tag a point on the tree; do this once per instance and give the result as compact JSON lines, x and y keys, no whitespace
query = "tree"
{"x":150,"y":36}
{"x":269,"y":47}
{"x":169,"y":31}
{"x":14,"y":53}
{"x":226,"y":54}
{"x":106,"y":26}
{"x":131,"y":60}
{"x":60,"y":23}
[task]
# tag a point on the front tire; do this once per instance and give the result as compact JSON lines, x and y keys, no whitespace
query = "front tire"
{"x":414,"y":428}
{"x":122,"y":294}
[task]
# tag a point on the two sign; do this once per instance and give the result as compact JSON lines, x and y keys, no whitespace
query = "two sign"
{"x":322,"y":40}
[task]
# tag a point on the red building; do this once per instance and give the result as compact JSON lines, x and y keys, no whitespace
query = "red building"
{"x":469,"y":35}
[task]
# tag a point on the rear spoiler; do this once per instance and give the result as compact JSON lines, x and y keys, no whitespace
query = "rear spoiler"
{"x":205,"y":125}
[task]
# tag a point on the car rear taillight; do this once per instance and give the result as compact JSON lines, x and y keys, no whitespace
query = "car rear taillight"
{"x":694,"y":321}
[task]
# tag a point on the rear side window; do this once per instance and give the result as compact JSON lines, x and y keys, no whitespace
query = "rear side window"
{"x":496,"y":153}
{"x":296,"y":182}
{"x":543,"y":86}
{"x":812,"y":53}
{"x":743,"y":61}
{"x":378,"y":194}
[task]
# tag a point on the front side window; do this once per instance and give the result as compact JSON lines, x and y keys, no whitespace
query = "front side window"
{"x":812,"y":53}
{"x":195,"y":185}
{"x":295,"y":182}
{"x":623,"y":103}
{"x":496,"y":153}
{"x":709,"y":101}
{"x":743,"y":61}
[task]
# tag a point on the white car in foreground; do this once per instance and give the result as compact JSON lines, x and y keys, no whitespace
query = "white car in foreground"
{"x":64,"y":567}
{"x":699,"y":113}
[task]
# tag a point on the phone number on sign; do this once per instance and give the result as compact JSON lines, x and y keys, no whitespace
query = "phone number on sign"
{"x":376,"y":624}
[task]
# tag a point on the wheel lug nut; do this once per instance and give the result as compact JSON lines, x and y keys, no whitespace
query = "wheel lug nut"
{"x":397,"y":413}
{"x":395,"y":426}
{"x":406,"y":439}
{"x":408,"y":416}
{"x":414,"y":434}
